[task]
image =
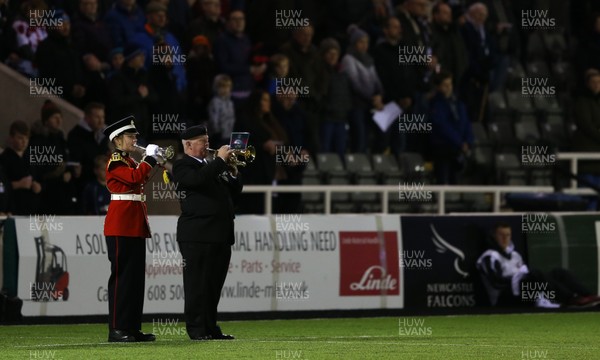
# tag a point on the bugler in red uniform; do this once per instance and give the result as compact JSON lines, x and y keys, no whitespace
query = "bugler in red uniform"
{"x":125,"y":176}
{"x":126,"y":229}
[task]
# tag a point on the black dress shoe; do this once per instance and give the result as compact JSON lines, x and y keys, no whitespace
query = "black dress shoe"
{"x":141,"y":337}
{"x":222,"y":337}
{"x":120,"y":336}
{"x":200,"y":337}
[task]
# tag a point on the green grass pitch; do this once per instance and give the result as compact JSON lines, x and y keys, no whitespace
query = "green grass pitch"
{"x":522,"y":336}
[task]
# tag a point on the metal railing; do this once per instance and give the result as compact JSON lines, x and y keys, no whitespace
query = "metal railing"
{"x":385,"y":190}
{"x":441,"y":190}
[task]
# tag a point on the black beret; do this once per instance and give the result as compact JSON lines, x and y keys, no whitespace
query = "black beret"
{"x":194,"y":132}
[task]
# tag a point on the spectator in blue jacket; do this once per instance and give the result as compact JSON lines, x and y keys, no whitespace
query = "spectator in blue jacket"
{"x":451,"y":132}
{"x":232,"y":54}
{"x":160,"y":46}
{"x":124,"y":20}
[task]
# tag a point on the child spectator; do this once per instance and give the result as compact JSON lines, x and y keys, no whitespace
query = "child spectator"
{"x":15,"y":161}
{"x":221,"y":111}
{"x":451,"y":133}
{"x":96,"y":197}
{"x":338,"y":101}
{"x":280,"y":68}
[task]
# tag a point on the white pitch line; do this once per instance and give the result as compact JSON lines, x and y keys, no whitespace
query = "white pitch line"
{"x":303,"y":340}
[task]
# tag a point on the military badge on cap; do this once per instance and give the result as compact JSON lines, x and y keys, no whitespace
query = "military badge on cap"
{"x":125,"y":125}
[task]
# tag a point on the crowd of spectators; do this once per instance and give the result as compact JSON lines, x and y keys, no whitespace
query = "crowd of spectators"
{"x":306,"y":74}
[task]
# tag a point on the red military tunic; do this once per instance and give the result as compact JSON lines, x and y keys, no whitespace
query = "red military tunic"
{"x":126,"y":217}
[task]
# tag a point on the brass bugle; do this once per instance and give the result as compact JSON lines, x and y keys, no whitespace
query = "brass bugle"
{"x":165,"y":153}
{"x":249,"y":154}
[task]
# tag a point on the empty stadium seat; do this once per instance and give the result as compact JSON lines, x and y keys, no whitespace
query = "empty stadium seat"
{"x":331,"y":166}
{"x":386,"y":166}
{"x":502,"y":136}
{"x":359,"y":166}
{"x":413,"y":167}
{"x":519,"y":103}
{"x":509,"y":170}
{"x":526,"y":131}
{"x":497,"y":103}
{"x":536,"y":49}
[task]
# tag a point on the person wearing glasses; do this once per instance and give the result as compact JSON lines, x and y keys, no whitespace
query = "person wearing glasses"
{"x":126,"y":228}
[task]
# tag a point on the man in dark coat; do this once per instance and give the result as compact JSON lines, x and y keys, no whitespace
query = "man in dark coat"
{"x":587,"y":119}
{"x":131,"y":92}
{"x":58,"y":60}
{"x":205,"y":229}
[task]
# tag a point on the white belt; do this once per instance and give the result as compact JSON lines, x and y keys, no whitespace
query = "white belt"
{"x":131,"y":197}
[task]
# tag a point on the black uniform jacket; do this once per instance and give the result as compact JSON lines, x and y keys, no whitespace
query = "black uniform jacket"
{"x":207,"y":200}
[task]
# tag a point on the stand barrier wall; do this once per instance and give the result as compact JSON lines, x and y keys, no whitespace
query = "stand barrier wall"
{"x":297,"y":262}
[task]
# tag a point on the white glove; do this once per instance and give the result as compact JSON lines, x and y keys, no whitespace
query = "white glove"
{"x":151,"y":150}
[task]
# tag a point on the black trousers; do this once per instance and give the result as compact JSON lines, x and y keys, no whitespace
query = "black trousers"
{"x":561,"y":281}
{"x":127,"y":257}
{"x":204,"y":273}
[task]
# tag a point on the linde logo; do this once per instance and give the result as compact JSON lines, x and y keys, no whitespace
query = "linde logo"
{"x":413,"y":123}
{"x":167,"y":124}
{"x":44,"y":87}
{"x":443,"y":246}
{"x":537,"y":156}
{"x":44,"y":155}
{"x":290,"y":86}
{"x":414,"y":55}
{"x":167,"y":55}
{"x":369,"y":281}
{"x":537,"y":223}
{"x":45,"y":18}
{"x":364,"y":270}
{"x":537,"y":19}
{"x":537,"y":87}
{"x":290,"y":19}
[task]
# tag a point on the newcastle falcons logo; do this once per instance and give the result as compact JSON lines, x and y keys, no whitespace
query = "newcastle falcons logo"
{"x":442,"y":246}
